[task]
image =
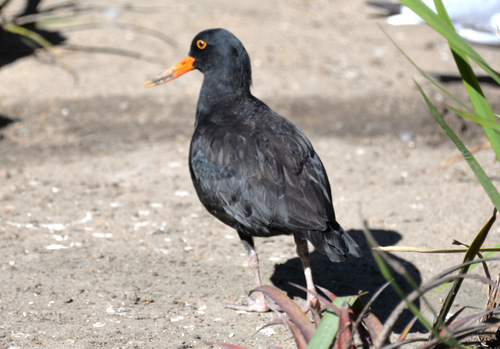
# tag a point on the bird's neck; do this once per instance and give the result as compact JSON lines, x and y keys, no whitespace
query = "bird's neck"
{"x":217,"y":92}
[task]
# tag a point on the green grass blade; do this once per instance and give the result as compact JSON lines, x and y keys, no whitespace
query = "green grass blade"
{"x":441,"y":26}
{"x":492,"y":124}
{"x":469,"y":79}
{"x":432,"y":250}
{"x":424,"y":74}
{"x":489,"y":254}
{"x":3,"y":4}
{"x":39,"y":40}
{"x":469,"y":256}
{"x":471,"y":161}
{"x":382,"y":262}
{"x":473,"y":266}
{"x":471,"y":83}
{"x":58,"y":22}
{"x":33,"y":36}
{"x":441,"y":11}
{"x":477,"y":98}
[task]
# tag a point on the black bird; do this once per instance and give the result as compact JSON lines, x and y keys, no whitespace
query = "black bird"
{"x":251,"y":168}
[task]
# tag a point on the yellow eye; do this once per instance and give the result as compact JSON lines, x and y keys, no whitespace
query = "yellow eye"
{"x":201,"y":44}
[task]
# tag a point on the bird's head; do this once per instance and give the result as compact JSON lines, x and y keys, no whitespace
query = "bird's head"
{"x":218,"y":54}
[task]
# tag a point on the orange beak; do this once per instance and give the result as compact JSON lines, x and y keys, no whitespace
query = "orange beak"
{"x":174,"y":72}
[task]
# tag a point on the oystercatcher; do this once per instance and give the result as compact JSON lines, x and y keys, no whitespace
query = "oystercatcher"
{"x":253,"y":169}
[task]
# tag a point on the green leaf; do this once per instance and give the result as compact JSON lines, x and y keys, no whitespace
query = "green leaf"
{"x":33,"y":36}
{"x":489,"y":254}
{"x":425,"y":75}
{"x":58,"y":22}
{"x":469,"y":256}
{"x":3,"y":4}
{"x":329,"y":325}
{"x":477,"y":98}
{"x":39,"y":40}
{"x":383,"y":261}
{"x":461,"y":52}
{"x":441,"y":26}
{"x":484,"y":180}
{"x":493,"y":124}
{"x":326,"y":331}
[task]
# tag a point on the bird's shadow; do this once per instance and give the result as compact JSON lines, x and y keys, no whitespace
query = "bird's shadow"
{"x":13,"y":46}
{"x":5,"y":121}
{"x":453,"y":78}
{"x":351,"y":276}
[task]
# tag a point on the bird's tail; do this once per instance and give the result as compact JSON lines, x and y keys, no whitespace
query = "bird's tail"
{"x":335,"y":243}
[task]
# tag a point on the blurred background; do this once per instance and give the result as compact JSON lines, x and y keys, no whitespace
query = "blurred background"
{"x":327,"y":59}
{"x":103,"y":242}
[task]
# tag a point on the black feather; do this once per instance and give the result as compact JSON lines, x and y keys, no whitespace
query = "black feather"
{"x":251,"y":168}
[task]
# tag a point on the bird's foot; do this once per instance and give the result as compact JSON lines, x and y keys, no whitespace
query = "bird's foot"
{"x":312,"y":303}
{"x":257,"y":305}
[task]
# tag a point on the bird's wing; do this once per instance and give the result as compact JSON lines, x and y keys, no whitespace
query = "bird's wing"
{"x":268,"y":180}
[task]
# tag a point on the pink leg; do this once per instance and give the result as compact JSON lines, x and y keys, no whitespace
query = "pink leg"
{"x":303,"y":253}
{"x":259,"y":303}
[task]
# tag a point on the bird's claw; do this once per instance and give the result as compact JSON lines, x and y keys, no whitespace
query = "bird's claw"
{"x":257,"y":305}
{"x":312,"y":305}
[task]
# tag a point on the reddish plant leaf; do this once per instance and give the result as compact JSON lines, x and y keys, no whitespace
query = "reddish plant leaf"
{"x":366,"y":310}
{"x":328,"y":293}
{"x":373,"y":325}
{"x":406,"y":330}
{"x":322,"y":299}
{"x":296,"y":314}
{"x":491,"y":333}
{"x":344,"y":336}
{"x":297,"y":335}
{"x":316,"y":317}
{"x":224,"y":345}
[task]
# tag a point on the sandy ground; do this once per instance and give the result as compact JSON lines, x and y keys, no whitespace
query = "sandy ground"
{"x":103,"y":242}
